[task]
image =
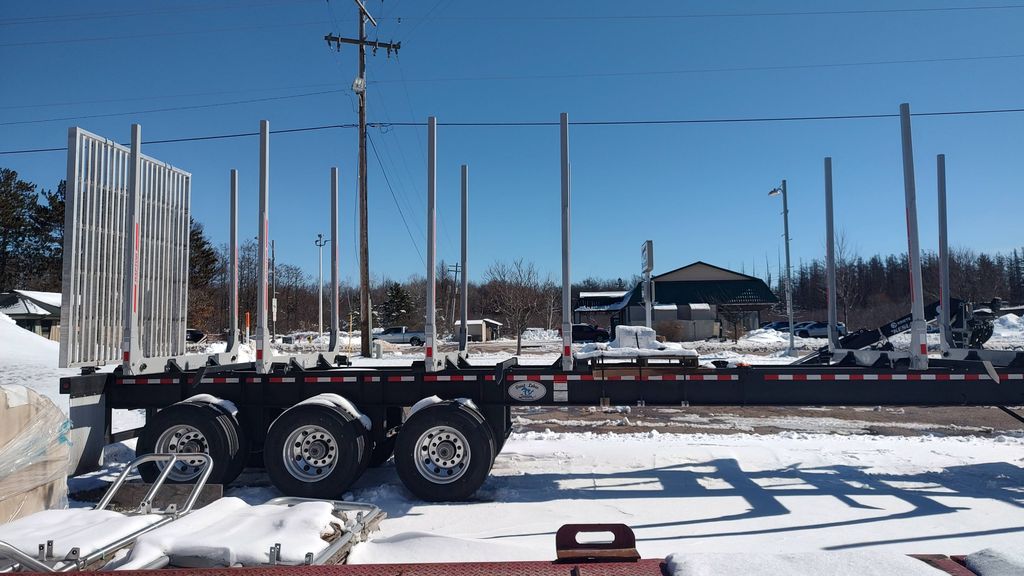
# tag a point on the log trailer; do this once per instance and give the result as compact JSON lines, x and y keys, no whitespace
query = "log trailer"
{"x":317,"y":421}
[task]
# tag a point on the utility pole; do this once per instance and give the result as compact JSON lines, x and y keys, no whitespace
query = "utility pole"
{"x":359,"y":87}
{"x":789,"y":268}
{"x":455,"y":288}
{"x":320,"y":243}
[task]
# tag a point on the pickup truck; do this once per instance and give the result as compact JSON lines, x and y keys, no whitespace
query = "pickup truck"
{"x":401,"y":335}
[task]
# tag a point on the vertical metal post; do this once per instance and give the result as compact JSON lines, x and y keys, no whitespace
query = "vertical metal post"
{"x":233,"y":266}
{"x":945,"y":330}
{"x":335,"y":313}
{"x":918,"y":344}
{"x":789,"y":268}
{"x":830,"y":259}
{"x":430,"y":329}
{"x":464,"y":296}
{"x":648,"y":297}
{"x":320,"y":243}
{"x":567,"y":363}
{"x":264,"y":353}
{"x":130,"y":317}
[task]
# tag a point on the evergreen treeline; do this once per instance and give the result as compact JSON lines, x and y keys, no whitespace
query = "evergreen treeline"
{"x":876,"y":290}
{"x":31,"y":234}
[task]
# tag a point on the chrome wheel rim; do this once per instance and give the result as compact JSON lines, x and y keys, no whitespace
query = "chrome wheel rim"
{"x":442,"y":455}
{"x":310,"y":453}
{"x":182,"y":439}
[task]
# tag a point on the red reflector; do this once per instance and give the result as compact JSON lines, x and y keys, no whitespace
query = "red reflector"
{"x":259,"y":354}
{"x":127,"y":356}
{"x":568,"y":351}
{"x":430,"y":352}
{"x":924,"y":349}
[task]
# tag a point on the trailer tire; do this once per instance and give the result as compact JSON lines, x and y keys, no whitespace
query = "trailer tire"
{"x":444,"y":452}
{"x":316,"y":451}
{"x":203,"y":428}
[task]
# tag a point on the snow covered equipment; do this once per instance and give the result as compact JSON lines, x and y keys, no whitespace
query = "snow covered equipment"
{"x":281,"y":532}
{"x":74,"y":539}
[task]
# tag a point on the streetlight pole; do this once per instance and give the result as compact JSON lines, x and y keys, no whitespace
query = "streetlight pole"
{"x":789,"y":270}
{"x":320,"y":243}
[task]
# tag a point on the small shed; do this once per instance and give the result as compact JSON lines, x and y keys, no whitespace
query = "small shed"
{"x":34,"y":311}
{"x":480,"y":330}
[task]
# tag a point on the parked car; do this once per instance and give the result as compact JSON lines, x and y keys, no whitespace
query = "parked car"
{"x":818,"y":329}
{"x":779,"y":325}
{"x":588,"y":333}
{"x":401,"y":335}
{"x":193,"y":336}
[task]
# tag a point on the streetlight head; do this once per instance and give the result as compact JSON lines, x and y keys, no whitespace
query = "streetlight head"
{"x":775,"y":191}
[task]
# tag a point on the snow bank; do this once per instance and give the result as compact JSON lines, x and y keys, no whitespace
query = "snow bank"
{"x":997,"y":561}
{"x":229,"y":532}
{"x":540,"y":334}
{"x":89,"y":530}
{"x":29,"y":360}
{"x":634,"y":342}
{"x":805,"y":564}
{"x":1009,"y":325}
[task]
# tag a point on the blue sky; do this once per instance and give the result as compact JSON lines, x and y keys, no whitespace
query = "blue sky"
{"x":698,"y":190}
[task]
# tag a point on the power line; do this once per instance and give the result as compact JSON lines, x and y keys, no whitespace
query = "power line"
{"x":405,"y":82}
{"x":171,"y":108}
{"x":126,"y":14}
{"x":200,"y":138}
{"x":144,"y":35}
{"x":535,"y":124}
{"x":586,"y":17}
{"x":395,"y":198}
{"x":164,"y":96}
{"x":572,"y":75}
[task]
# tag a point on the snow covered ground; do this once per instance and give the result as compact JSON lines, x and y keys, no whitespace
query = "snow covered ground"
{"x":799,"y":490}
{"x":788,"y":492}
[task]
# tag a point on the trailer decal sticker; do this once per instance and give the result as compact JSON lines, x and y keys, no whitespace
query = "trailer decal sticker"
{"x":527,"y":391}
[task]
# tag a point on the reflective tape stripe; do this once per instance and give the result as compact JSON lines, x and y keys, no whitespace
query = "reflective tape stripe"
{"x":149,"y":381}
{"x":220,"y":380}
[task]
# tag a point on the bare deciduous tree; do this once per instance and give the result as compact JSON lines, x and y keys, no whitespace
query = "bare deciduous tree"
{"x":515,"y":294}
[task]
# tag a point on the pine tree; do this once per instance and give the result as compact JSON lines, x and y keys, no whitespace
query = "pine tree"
{"x":202,"y":268}
{"x":48,"y":239}
{"x":397,"y":305}
{"x":17,"y":201}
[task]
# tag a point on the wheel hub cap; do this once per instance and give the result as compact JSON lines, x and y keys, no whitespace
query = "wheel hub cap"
{"x":182,"y":439}
{"x":310,"y":453}
{"x":442,"y":455}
